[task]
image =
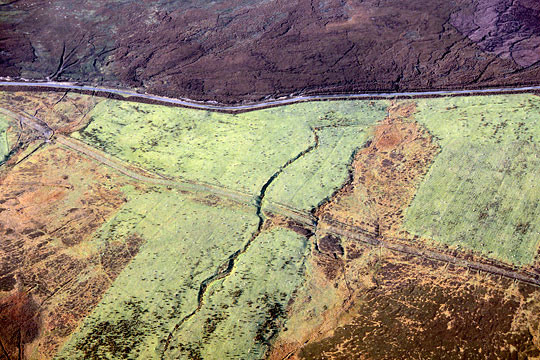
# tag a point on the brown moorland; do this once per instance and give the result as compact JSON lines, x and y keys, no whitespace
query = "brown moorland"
{"x":62,"y":112}
{"x":52,"y":273}
{"x":385,"y":174}
{"x":392,"y":305}
{"x":230,"y":51}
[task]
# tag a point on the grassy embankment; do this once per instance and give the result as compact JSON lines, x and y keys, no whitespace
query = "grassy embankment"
{"x":482,"y":191}
{"x":9,"y":133}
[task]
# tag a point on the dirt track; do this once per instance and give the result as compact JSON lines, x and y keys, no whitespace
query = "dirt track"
{"x":303,"y":218}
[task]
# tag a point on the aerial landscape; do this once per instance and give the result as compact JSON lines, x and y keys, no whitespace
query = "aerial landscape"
{"x":353,"y":179}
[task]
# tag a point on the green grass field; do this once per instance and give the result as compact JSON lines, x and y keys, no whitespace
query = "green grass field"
{"x":185,"y":242}
{"x":314,"y":177}
{"x":482,"y":192}
{"x":239,"y":152}
{"x":243,"y":312}
{"x":242,"y":151}
{"x":342,"y":127}
{"x":6,"y":138}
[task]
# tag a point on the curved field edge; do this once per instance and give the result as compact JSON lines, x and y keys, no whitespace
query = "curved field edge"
{"x":482,"y":191}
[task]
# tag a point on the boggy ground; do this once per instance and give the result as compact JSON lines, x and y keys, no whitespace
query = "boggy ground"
{"x":52,"y":274}
{"x":385,"y":174}
{"x":62,"y":112}
{"x":397,"y":307}
{"x":231,"y":51}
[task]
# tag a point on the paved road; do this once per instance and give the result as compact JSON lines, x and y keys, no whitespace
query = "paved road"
{"x":264,"y":104}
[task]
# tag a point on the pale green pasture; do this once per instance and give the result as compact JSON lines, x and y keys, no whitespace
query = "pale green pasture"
{"x":185,"y":242}
{"x":242,"y":312}
{"x":482,"y":191}
{"x":314,"y":177}
{"x":241,"y":151}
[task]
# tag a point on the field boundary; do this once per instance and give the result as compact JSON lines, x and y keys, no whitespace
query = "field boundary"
{"x":304,"y":218}
{"x":134,"y":96}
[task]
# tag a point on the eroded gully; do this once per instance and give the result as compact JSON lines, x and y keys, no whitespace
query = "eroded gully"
{"x":226,"y":268}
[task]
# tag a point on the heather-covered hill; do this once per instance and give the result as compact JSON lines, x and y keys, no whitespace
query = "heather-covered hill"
{"x":231,"y":51}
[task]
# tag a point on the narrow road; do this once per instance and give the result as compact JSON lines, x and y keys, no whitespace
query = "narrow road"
{"x":304,"y":218}
{"x":264,"y":104}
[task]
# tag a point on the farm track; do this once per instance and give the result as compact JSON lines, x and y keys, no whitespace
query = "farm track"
{"x":304,"y":218}
{"x":29,"y":120}
{"x":144,"y":176}
{"x":133,"y":95}
{"x":310,"y":222}
{"x":452,"y":257}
